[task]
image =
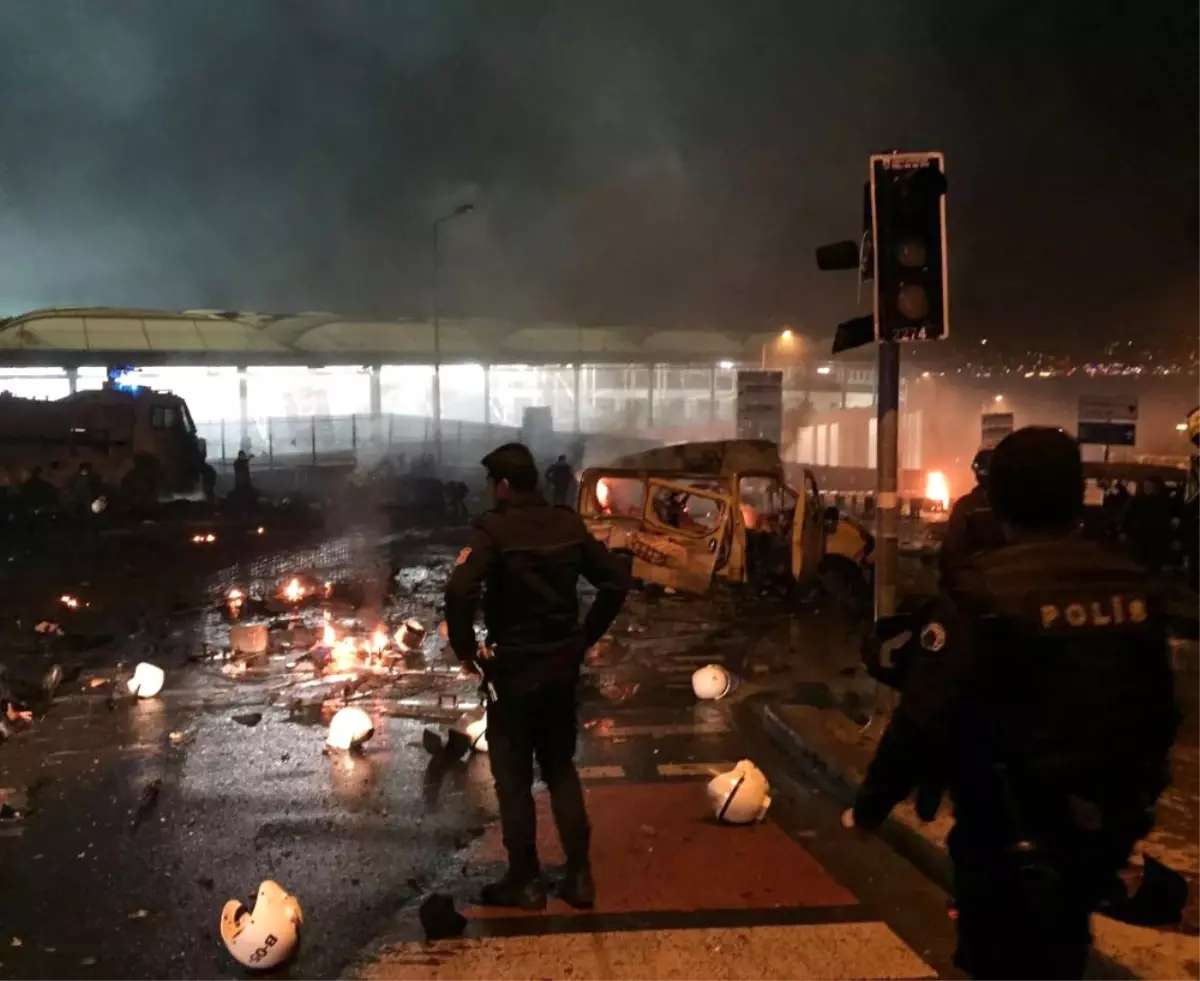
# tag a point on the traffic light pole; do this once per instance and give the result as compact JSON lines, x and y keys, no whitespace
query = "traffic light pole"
{"x":887,"y":504}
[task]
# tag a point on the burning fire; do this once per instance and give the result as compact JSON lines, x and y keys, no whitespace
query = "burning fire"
{"x":294,"y":591}
{"x":328,"y":635}
{"x":379,"y":640}
{"x":937,"y":488}
{"x":603,"y":494}
{"x":70,"y":602}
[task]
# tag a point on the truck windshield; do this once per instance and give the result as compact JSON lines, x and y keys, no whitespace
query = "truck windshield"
{"x":187,"y":418}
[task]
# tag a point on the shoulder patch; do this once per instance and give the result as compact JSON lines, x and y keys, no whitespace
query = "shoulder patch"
{"x":463,"y":556}
{"x":933,"y":637}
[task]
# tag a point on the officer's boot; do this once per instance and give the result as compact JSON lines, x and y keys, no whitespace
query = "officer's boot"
{"x":578,"y":889}
{"x":523,"y":892}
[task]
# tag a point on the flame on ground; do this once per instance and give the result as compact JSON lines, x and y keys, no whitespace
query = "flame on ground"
{"x":70,"y":602}
{"x":937,"y":488}
{"x":293,"y":592}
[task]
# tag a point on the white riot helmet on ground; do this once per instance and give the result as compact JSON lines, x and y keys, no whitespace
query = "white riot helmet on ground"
{"x":147,"y":680}
{"x":712,"y":681}
{"x":265,"y":936}
{"x":477,"y":734}
{"x":349,"y":728}
{"x":740,"y":796}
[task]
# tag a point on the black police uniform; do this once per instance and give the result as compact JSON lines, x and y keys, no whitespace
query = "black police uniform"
{"x":972,"y":528}
{"x":1044,"y":699}
{"x":530,"y":555}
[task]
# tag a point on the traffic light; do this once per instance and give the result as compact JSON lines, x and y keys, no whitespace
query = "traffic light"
{"x":908,"y":229}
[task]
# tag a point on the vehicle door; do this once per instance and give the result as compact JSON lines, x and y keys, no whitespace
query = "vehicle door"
{"x":610,"y":504}
{"x":684,"y":533}
{"x":808,"y":536}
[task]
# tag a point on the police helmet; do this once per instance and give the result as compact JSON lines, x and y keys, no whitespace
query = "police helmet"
{"x":265,"y":936}
{"x":982,"y":464}
{"x":741,"y":795}
{"x":712,"y":681}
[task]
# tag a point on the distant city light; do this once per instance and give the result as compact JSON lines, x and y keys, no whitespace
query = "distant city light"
{"x":1181,"y":427}
{"x":725,"y":365}
{"x":824,"y":370}
{"x":998,"y":398}
{"x":786,"y":334}
{"x":984,"y":341}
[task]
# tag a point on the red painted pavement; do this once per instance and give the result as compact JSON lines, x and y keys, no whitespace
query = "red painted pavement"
{"x":655,"y":847}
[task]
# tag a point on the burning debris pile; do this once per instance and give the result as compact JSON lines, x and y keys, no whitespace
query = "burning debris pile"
{"x":332,"y":629}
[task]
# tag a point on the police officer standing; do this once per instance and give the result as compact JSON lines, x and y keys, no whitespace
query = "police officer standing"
{"x":1043,"y":697}
{"x":972,"y":527}
{"x":527,"y":556}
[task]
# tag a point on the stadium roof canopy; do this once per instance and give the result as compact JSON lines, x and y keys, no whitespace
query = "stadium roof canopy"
{"x":90,"y":335}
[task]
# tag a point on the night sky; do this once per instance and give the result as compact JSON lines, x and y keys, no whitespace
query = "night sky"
{"x":651,"y":162}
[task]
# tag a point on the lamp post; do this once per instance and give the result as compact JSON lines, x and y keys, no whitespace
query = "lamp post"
{"x":786,"y":336}
{"x":458,"y":212}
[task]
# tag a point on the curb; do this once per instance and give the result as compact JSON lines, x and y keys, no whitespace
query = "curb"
{"x":928,"y":857}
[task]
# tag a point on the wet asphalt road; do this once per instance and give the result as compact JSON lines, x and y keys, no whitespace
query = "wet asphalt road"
{"x":145,"y":817}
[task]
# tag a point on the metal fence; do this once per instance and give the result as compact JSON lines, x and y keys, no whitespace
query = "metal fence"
{"x":300,"y":441}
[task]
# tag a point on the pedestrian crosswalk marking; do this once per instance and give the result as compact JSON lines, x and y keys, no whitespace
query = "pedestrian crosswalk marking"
{"x":822,"y":950}
{"x":601,"y":772}
{"x":692,"y":769}
{"x":698,"y":729}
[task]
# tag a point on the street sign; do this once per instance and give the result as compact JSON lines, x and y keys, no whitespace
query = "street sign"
{"x":1108,"y":420}
{"x":760,"y":405}
{"x":996,"y":425}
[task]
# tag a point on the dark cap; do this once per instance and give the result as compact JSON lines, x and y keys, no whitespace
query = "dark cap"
{"x":512,"y":462}
{"x":1035,"y":481}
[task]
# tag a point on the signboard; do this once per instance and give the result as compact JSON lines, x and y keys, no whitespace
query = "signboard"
{"x":760,"y":405}
{"x":996,"y":425}
{"x":1107,"y":420}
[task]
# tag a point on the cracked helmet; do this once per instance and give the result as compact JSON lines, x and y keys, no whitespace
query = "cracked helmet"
{"x":349,"y":728}
{"x":741,"y":795}
{"x":477,"y":734}
{"x":712,"y":681}
{"x":265,"y":936}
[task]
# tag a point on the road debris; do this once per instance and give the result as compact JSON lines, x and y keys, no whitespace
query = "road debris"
{"x":741,"y":795}
{"x":712,"y":682}
{"x":349,"y":729}
{"x":265,"y":936}
{"x":439,"y":919}
{"x":147,"y":680}
{"x":146,"y":804}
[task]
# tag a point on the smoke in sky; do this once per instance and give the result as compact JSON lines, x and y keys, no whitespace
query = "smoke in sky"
{"x":630,"y":162}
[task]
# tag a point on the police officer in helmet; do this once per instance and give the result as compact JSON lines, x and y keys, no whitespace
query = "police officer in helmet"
{"x":1043,"y":697}
{"x":973,"y":527}
{"x":526,"y":556}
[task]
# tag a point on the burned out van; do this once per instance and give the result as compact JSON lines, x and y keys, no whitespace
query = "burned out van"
{"x":693,"y":513}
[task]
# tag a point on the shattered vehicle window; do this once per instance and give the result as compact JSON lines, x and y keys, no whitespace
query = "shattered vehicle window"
{"x":764,"y":506}
{"x":690,"y":513}
{"x":616,"y":497}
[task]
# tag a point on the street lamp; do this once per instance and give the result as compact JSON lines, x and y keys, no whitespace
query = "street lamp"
{"x":785,"y":339}
{"x":458,"y":212}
